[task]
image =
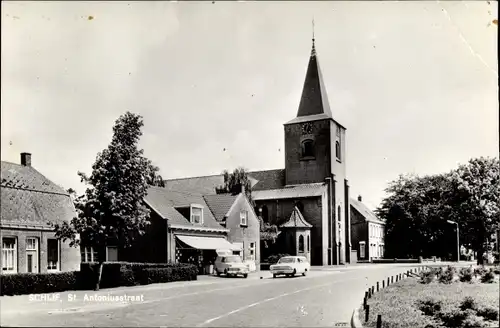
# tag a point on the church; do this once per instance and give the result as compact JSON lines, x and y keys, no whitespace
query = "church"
{"x":308,"y":199}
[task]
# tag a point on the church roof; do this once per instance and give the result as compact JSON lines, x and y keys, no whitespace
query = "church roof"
{"x":291,"y":191}
{"x":314,"y":98}
{"x":205,"y":185}
{"x":296,"y":220}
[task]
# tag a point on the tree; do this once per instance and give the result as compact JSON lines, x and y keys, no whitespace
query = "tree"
{"x":233,"y":183}
{"x":111,"y":211}
{"x":476,"y":191}
{"x":416,"y":210}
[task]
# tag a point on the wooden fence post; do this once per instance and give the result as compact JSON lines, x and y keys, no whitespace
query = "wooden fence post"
{"x":365,"y":303}
{"x":377,"y":286}
{"x":383,"y":283}
{"x":367,"y":313}
{"x":388,"y":281}
{"x":379,"y":321}
{"x":392,"y":279}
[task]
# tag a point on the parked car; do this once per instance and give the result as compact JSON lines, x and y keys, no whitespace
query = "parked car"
{"x":230,"y":265}
{"x":290,"y":266}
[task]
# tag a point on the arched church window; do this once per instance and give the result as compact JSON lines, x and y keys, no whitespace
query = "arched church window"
{"x":308,"y":244}
{"x":301,"y":243}
{"x":307,"y":148}
{"x":337,"y":150}
{"x":339,"y":210}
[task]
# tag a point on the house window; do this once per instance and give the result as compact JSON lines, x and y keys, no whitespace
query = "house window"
{"x":252,"y":251}
{"x":308,"y":244}
{"x":337,"y":150}
{"x":111,"y":254}
{"x":307,"y":148}
{"x":31,"y":255}
{"x":362,"y":249}
{"x":243,"y":218}
{"x":301,"y":243}
{"x":9,"y":255}
{"x":339,"y":215}
{"x":89,"y":254}
{"x":196,"y":215}
{"x":52,"y":254}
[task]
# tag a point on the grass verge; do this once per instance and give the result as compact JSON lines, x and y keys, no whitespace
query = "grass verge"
{"x":398,"y":303}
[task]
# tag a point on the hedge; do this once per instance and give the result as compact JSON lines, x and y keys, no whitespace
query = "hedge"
{"x":395,"y":261}
{"x":114,"y":274}
{"x":36,"y":283}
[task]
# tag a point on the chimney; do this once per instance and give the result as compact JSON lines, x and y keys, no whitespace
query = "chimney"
{"x":360,"y":198}
{"x":25,"y":159}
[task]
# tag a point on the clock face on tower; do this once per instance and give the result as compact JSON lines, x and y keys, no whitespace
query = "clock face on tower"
{"x":307,"y":128}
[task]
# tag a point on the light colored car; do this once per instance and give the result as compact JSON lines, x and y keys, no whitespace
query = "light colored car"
{"x":230,"y":265}
{"x":290,"y":266}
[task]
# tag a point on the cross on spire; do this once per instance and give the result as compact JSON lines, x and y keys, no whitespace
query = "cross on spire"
{"x":313,"y":51}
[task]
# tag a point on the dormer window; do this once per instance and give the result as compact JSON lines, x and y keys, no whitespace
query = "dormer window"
{"x":308,"y":148}
{"x":244,"y":218}
{"x":337,"y":150}
{"x":196,"y":214}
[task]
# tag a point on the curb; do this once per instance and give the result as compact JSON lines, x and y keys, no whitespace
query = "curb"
{"x":355,"y":322}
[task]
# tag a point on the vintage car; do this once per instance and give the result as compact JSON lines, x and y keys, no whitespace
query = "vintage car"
{"x":230,"y":265}
{"x":290,"y":266}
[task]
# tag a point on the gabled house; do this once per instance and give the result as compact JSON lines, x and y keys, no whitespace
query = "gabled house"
{"x":191,"y":228}
{"x":28,"y":202}
{"x":368,"y":231}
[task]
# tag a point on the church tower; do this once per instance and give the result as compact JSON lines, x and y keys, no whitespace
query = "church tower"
{"x":315,"y":151}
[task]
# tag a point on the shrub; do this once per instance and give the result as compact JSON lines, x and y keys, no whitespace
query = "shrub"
{"x":468,"y":303}
{"x":426,"y":277}
{"x":479,"y":271}
{"x":496,"y":270}
{"x":453,"y":318}
{"x":488,"y":277}
{"x":465,"y":274}
{"x":472,"y":322}
{"x":446,"y":277}
{"x":34,"y":283}
{"x":170,"y":274}
{"x":488,"y":313}
{"x":429,"y":306}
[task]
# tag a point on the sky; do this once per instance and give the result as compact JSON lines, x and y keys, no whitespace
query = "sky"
{"x":414,"y":83}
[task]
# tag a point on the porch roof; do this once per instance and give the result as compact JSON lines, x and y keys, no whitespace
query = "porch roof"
{"x":209,"y":243}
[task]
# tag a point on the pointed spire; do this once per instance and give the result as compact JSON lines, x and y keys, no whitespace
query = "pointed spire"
{"x":314,"y":100}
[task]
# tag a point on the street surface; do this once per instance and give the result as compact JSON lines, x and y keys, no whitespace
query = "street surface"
{"x":325,"y":297}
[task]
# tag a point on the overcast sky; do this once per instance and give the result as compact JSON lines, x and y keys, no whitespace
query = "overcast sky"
{"x":414,"y":83}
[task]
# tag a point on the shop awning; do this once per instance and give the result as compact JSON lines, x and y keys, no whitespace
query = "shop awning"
{"x":212,"y":243}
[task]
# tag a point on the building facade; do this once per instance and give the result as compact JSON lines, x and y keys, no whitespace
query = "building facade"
{"x":368,"y":232}
{"x":28,"y":202}
{"x":313,"y":182}
{"x":193,"y":228}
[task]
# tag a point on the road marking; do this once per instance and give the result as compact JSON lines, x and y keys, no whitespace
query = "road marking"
{"x":268,"y":300}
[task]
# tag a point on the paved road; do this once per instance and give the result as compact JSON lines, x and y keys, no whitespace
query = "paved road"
{"x":325,"y":297}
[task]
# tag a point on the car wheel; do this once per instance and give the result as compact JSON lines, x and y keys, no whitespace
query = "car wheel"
{"x":304,"y":273}
{"x":225,"y":272}
{"x":294,"y":272}
{"x":274,"y":275}
{"x":218,"y":273}
{"x":245,"y":275}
